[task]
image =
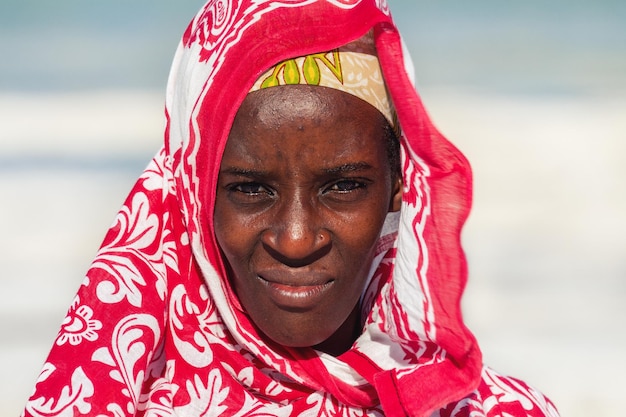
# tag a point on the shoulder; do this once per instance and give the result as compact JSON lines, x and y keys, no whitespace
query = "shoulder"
{"x":498,"y":395}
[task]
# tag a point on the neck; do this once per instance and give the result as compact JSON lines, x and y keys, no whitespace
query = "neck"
{"x":343,"y":338}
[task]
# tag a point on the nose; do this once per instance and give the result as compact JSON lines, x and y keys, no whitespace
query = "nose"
{"x":296,"y":235}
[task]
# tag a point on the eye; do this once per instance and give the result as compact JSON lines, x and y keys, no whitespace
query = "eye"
{"x":250,"y":189}
{"x":249,"y":193}
{"x":345,"y":186}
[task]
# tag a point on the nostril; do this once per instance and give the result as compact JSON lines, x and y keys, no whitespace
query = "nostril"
{"x":296,"y":262}
{"x":296,"y":249}
{"x":323,"y":238}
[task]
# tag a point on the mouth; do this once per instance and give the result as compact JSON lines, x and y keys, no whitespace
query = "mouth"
{"x":300,"y":295}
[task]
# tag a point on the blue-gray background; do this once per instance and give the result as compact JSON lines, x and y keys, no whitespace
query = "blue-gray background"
{"x":533,"y":92}
{"x":534,"y":46}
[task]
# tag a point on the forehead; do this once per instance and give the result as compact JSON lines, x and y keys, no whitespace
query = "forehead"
{"x":271,"y":106}
{"x":302,"y":118}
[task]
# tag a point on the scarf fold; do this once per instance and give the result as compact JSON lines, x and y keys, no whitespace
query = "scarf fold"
{"x":156,"y":328}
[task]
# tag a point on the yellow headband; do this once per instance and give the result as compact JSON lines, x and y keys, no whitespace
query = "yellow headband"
{"x":351,"y":72}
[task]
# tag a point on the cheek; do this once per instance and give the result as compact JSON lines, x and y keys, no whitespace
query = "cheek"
{"x":359,"y":233}
{"x":234,"y":245}
{"x":364,"y":222}
{"x":221,"y":223}
{"x":231,"y":237}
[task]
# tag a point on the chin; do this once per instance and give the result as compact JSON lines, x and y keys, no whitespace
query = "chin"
{"x":304,"y":341}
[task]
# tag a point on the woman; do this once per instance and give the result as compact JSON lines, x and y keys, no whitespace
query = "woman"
{"x":278,"y":257}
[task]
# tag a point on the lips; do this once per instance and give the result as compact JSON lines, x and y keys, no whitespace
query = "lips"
{"x":296,"y":292}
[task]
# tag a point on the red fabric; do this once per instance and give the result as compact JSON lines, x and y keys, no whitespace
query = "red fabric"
{"x":156,"y":330}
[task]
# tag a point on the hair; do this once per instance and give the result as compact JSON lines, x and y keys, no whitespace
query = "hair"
{"x":392,"y":145}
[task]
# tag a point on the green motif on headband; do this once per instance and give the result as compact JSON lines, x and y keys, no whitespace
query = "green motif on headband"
{"x":351,"y":72}
{"x":310,"y":70}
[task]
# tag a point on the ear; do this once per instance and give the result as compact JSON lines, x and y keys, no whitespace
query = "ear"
{"x":396,"y":196}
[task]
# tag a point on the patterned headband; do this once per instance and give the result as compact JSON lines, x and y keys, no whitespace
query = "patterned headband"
{"x":351,"y":72}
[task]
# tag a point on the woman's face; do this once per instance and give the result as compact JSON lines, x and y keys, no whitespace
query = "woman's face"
{"x":303,"y":191}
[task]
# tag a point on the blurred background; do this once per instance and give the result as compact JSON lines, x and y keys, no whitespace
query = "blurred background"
{"x":533,"y":92}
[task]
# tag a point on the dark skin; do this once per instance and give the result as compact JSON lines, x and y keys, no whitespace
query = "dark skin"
{"x":304,"y":187}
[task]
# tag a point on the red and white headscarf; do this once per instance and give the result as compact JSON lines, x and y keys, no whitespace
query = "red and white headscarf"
{"x":156,"y":329}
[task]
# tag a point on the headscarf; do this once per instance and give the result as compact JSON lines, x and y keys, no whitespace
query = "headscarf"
{"x":156,"y":328}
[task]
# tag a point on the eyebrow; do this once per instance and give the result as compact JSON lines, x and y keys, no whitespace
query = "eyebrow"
{"x":243,"y":172}
{"x":350,"y":167}
{"x":255,"y":173}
